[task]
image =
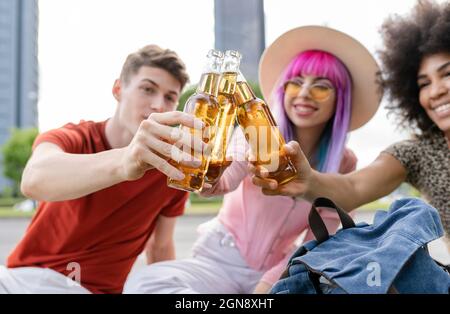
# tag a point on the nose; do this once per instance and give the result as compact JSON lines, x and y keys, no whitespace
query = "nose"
{"x":438,"y":89}
{"x":157,"y":103}
{"x":304,"y":91}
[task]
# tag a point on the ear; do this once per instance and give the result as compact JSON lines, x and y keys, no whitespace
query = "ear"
{"x":117,"y":89}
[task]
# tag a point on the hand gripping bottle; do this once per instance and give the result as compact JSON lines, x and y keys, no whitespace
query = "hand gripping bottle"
{"x":262,"y":134}
{"x":203,"y":105}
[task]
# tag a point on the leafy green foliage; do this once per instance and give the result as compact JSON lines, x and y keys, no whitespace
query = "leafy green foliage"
{"x":16,"y":152}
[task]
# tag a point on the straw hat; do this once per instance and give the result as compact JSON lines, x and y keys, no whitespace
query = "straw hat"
{"x":366,"y":94}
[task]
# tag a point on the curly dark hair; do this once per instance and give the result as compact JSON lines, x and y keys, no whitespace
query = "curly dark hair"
{"x":407,"y":40}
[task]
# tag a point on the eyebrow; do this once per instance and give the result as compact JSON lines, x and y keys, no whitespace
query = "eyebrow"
{"x":321,"y":78}
{"x":442,"y":67}
{"x":318,"y":78}
{"x":154,"y":83}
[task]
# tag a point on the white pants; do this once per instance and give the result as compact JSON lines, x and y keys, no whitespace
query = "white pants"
{"x":215,"y":267}
{"x":25,"y":280}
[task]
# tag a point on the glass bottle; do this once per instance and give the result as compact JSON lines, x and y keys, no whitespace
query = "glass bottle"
{"x":203,"y":105}
{"x":227,"y":116}
{"x":262,"y":134}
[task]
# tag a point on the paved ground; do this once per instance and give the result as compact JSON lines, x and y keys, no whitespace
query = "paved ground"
{"x":11,"y":230}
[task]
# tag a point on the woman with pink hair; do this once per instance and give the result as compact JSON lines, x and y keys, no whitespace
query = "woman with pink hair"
{"x":318,"y":92}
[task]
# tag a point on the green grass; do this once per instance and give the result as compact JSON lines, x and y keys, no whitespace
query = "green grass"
{"x":9,"y":212}
{"x":195,"y":208}
{"x":203,"y":208}
{"x":212,"y":208}
{"x":9,"y":201}
{"x":377,"y":205}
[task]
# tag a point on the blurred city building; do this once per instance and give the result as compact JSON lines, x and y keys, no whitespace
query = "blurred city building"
{"x":239,"y":25}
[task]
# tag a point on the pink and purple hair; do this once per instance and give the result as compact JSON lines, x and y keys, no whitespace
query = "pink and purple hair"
{"x":332,"y":142}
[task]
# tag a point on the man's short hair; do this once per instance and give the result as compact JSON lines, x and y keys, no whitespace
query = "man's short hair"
{"x":155,"y":56}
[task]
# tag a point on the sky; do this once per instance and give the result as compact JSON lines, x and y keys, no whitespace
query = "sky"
{"x":83,"y":43}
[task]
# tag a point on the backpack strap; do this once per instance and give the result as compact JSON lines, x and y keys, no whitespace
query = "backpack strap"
{"x":316,"y":223}
{"x":446,"y":268}
{"x":302,"y":250}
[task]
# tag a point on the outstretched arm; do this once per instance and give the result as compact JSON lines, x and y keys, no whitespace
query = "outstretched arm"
{"x":52,"y":174}
{"x":348,"y":191}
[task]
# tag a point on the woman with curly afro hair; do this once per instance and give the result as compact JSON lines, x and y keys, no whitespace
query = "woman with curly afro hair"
{"x":416,"y":75}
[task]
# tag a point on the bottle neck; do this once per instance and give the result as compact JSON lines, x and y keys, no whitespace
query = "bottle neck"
{"x":243,"y":93}
{"x":228,"y":83}
{"x":209,"y":84}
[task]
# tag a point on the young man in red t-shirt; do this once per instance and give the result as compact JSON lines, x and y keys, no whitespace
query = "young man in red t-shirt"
{"x":101,"y":186}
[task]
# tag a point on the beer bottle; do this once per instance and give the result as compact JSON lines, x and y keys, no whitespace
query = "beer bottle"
{"x":227,"y":115}
{"x":262,"y":134}
{"x":203,"y":105}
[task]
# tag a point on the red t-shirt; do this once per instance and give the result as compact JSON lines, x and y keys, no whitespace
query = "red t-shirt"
{"x":103,"y":232}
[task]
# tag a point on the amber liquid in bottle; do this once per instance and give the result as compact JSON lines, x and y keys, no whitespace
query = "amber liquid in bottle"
{"x":225,"y":127}
{"x":263,"y":135}
{"x":203,"y":105}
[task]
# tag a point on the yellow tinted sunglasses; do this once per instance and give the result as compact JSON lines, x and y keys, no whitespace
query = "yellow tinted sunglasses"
{"x":317,"y":91}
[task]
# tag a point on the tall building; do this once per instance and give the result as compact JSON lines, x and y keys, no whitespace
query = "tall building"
{"x":239,"y":25}
{"x":18,"y":68}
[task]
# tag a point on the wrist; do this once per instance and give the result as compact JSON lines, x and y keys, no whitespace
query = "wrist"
{"x":118,"y":169}
{"x":312,"y":186}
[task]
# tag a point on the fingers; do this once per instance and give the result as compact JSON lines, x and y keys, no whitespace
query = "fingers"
{"x":177,"y":117}
{"x":207,"y":186}
{"x":269,"y":184}
{"x":172,"y":152}
{"x":194,"y":140}
{"x":285,"y":190}
{"x":258,"y":171}
{"x":161,"y":164}
{"x":183,"y":138}
{"x":295,"y":153}
{"x":271,"y":192}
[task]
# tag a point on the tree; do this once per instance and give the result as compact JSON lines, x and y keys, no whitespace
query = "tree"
{"x":16,"y":152}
